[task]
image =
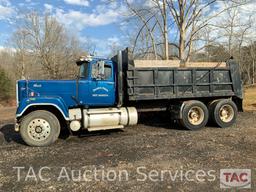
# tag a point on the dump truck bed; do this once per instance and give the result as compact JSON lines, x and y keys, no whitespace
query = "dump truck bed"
{"x":137,"y":81}
{"x":174,"y":83}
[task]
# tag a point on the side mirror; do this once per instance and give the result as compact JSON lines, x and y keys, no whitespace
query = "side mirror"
{"x":101,"y":68}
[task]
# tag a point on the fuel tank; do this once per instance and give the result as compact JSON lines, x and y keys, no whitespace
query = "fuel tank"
{"x":109,"y":118}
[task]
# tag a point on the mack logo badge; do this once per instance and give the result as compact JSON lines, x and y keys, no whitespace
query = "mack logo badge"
{"x":37,"y":85}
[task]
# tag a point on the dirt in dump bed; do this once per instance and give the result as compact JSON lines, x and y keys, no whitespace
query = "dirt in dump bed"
{"x":155,"y":144}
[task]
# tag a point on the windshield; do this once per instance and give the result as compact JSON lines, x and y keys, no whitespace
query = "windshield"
{"x":84,"y":71}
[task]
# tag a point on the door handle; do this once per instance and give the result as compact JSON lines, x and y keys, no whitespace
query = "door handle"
{"x":110,"y":83}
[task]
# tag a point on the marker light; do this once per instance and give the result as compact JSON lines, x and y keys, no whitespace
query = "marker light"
{"x":32,"y":94}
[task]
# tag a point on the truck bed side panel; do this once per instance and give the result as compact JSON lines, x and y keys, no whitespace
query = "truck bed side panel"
{"x":175,"y":83}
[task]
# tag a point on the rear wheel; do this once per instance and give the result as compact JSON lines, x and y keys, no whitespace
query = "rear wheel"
{"x":223,"y":113}
{"x":40,"y":128}
{"x":194,"y":115}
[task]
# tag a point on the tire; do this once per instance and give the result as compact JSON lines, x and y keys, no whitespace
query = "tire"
{"x":223,"y":113}
{"x":40,"y":128}
{"x":211,"y":107}
{"x":191,"y":111}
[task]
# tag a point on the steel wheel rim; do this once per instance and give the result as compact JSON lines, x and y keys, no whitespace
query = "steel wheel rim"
{"x":226,"y":113}
{"x":39,"y":129}
{"x":196,"y":115}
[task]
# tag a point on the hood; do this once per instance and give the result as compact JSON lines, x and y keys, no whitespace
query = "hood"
{"x":64,"y":89}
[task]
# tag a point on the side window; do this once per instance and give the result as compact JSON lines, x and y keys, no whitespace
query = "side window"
{"x":101,"y":71}
{"x":107,"y":72}
{"x":84,"y":71}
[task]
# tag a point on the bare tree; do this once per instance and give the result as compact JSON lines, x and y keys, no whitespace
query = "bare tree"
{"x":19,"y":38}
{"x":140,"y":14}
{"x":234,"y":29}
{"x":48,"y":42}
{"x":152,"y":27}
{"x":164,"y":26}
{"x":190,"y":18}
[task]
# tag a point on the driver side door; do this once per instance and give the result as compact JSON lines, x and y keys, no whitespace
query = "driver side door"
{"x":102,"y":85}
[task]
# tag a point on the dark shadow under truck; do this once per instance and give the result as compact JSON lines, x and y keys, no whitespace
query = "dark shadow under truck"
{"x":109,"y":94}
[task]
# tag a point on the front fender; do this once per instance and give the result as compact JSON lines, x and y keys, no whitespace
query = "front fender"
{"x":58,"y":103}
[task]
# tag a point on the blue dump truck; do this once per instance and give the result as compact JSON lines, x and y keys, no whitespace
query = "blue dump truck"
{"x":110,"y":93}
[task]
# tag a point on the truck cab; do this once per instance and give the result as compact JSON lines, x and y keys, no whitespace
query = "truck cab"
{"x":96,"y":83}
{"x":88,"y":102}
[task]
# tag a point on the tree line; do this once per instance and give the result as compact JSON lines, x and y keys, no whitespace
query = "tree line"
{"x":40,"y":48}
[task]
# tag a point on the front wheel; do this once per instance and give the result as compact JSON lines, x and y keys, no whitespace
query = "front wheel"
{"x":194,"y":115}
{"x":223,"y":113}
{"x":40,"y":128}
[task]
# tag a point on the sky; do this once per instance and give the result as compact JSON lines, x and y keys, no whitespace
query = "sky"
{"x":93,"y":21}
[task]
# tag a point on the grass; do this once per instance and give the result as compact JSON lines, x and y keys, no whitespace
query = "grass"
{"x":250,"y":99}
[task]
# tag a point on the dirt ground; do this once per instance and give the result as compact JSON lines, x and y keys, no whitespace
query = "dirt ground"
{"x":7,"y":114}
{"x":125,"y":160}
{"x":250,"y":99}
